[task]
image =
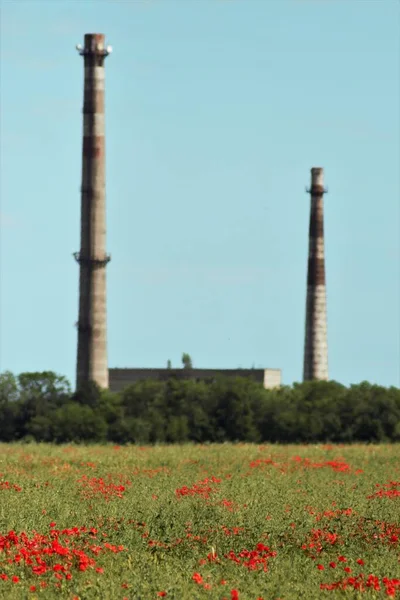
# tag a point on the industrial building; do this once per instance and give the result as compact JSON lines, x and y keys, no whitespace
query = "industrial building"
{"x":121,"y":378}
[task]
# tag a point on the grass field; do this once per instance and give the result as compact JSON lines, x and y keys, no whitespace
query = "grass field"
{"x":187,"y":522}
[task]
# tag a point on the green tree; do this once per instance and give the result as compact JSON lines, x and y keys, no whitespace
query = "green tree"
{"x":9,"y":421}
{"x":41,"y":428}
{"x":199,"y":411}
{"x":187,"y":361}
{"x":46,"y":385}
{"x":40,"y":393}
{"x":317,"y":404}
{"x":75,"y":422}
{"x":177,"y":430}
{"x":8,"y":387}
{"x":89,"y":394}
{"x":234,"y":412}
{"x":137,"y":399}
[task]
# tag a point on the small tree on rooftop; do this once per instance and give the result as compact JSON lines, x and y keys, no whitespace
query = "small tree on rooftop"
{"x":187,"y":361}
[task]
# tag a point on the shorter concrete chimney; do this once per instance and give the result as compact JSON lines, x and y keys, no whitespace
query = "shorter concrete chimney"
{"x":316,"y":339}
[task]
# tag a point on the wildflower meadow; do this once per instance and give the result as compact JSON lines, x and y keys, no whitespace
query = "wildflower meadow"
{"x":227,"y":521}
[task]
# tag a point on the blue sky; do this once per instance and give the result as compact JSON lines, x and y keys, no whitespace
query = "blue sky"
{"x":215,"y":112}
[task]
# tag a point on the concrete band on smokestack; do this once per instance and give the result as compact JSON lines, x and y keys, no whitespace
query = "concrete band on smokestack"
{"x":92,"y":364}
{"x":316,"y":338}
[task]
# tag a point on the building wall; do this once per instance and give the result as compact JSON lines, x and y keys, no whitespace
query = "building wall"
{"x":272,"y":378}
{"x":121,"y":378}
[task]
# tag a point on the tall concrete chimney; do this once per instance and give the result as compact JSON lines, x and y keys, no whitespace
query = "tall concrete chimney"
{"x":316,"y":340}
{"x":92,"y":258}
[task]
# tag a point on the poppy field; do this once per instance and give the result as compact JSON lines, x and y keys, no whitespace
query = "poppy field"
{"x":228,"y":521}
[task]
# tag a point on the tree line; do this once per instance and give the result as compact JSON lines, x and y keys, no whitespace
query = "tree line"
{"x":41,"y":407}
